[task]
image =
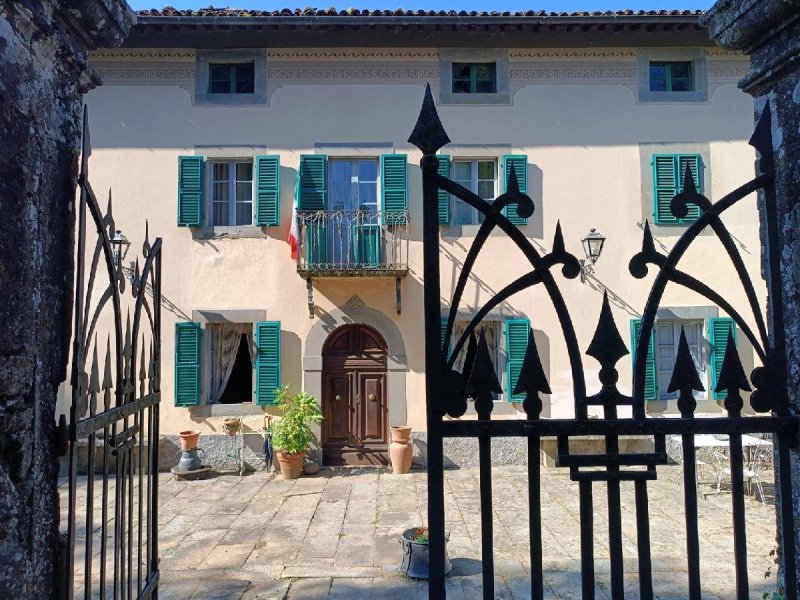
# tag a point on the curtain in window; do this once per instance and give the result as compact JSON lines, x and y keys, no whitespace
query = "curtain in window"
{"x":225,"y":340}
{"x":489,"y":329}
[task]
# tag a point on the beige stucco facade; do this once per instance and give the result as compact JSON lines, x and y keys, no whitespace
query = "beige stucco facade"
{"x":576,"y":113}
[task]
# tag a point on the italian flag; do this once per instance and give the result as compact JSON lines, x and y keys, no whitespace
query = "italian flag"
{"x":294,"y":233}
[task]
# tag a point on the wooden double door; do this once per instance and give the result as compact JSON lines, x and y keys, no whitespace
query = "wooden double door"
{"x":354,"y":403}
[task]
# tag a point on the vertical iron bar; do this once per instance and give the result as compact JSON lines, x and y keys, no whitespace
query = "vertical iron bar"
{"x":643,"y":541}
{"x":787,"y":526}
{"x":615,"y":537}
{"x":104,"y":507}
{"x":433,"y":366}
{"x":739,"y":527}
{"x":535,"y":517}
{"x":118,"y":520}
{"x":487,"y":529}
{"x":152,"y":534}
{"x":690,"y":505}
{"x":139,"y":468}
{"x":130,"y":478}
{"x":87,"y":569}
{"x":614,"y":512}
{"x":587,"y":540}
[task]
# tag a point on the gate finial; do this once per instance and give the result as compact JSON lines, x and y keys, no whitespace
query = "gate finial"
{"x":689,"y":195}
{"x":532,"y":380}
{"x":607,"y":345}
{"x":483,"y":380}
{"x":732,"y":378}
{"x":428,"y":134}
{"x":685,"y":379}
{"x":761,"y":140}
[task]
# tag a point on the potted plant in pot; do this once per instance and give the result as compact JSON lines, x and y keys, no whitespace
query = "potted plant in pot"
{"x":291,"y":435}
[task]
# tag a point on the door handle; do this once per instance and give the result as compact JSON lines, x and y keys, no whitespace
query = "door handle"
{"x":372,"y":398}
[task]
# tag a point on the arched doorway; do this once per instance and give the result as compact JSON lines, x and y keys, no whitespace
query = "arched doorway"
{"x":354,"y":402}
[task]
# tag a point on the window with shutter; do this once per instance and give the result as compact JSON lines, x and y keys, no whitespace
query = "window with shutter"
{"x":190,"y":191}
{"x":516,"y":345}
{"x":394,"y":188}
{"x":268,"y":191}
{"x":444,"y":197}
{"x":187,"y":364}
{"x":311,"y":191}
{"x":268,"y":360}
{"x":668,"y":173}
{"x":520,"y":164}
{"x":718,"y":331}
{"x":650,"y":379}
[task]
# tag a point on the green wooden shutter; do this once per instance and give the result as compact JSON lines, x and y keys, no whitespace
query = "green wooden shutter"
{"x":516,"y":345}
{"x":190,"y":191}
{"x":187,"y":363}
{"x":312,"y":182}
{"x":650,"y":381}
{"x":718,"y":330}
{"x":311,"y":191}
{"x":520,"y":162}
{"x":394,"y":188}
{"x":268,"y":360}
{"x":668,"y":172}
{"x":444,"y":330}
{"x":444,"y":197}
{"x":268,"y":190}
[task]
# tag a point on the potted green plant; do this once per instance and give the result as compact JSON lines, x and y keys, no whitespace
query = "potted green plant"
{"x":291,"y":435}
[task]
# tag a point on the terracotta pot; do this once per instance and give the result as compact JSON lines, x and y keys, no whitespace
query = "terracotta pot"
{"x":291,"y":464}
{"x":189,"y":439}
{"x":400,"y":450}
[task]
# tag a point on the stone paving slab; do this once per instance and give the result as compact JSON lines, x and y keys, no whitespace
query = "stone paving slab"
{"x":336,"y":535}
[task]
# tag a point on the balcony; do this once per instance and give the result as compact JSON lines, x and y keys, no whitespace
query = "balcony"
{"x":356,"y":243}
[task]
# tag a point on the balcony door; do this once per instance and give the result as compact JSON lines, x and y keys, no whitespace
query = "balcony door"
{"x":354,"y":233}
{"x":354,"y":402}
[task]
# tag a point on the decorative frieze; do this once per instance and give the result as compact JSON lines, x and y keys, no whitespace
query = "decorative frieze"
{"x":145,"y":74}
{"x":387,"y":74}
{"x":354,"y":54}
{"x":571,"y":53}
{"x":150,"y":55}
{"x":573,"y":72}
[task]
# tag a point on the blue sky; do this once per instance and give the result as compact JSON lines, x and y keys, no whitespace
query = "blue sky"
{"x":502,"y":5}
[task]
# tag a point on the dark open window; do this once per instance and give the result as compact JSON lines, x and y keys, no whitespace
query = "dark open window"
{"x":240,"y":383}
{"x":474,"y":78}
{"x":231,"y":78}
{"x":674,"y":76}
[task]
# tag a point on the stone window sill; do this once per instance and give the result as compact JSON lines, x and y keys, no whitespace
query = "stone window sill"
{"x":229,"y":232}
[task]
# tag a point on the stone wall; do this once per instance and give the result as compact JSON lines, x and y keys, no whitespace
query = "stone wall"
{"x":769,"y":31}
{"x":43,"y":74}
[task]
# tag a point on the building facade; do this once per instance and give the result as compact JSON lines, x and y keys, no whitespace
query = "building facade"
{"x":231,"y":132}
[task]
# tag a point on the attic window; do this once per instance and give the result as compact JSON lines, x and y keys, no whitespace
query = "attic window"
{"x":474,"y":78}
{"x":231,"y":78}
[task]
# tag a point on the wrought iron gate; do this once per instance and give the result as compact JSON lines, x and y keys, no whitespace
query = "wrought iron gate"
{"x":114,"y":411}
{"x":448,"y":390}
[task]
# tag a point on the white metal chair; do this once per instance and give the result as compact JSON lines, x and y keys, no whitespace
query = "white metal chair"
{"x":751,"y":473}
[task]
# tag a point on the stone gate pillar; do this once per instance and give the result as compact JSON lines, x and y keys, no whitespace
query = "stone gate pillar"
{"x":43,"y":73}
{"x":769,"y":31}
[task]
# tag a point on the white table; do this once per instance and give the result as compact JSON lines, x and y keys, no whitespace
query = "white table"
{"x":707,"y":440}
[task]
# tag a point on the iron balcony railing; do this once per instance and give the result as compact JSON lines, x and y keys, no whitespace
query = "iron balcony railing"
{"x":353,"y":243}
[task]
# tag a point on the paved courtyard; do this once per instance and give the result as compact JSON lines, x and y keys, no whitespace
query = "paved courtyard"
{"x":335,"y":535}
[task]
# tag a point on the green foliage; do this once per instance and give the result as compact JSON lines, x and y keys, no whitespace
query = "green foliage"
{"x":292,"y":434}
